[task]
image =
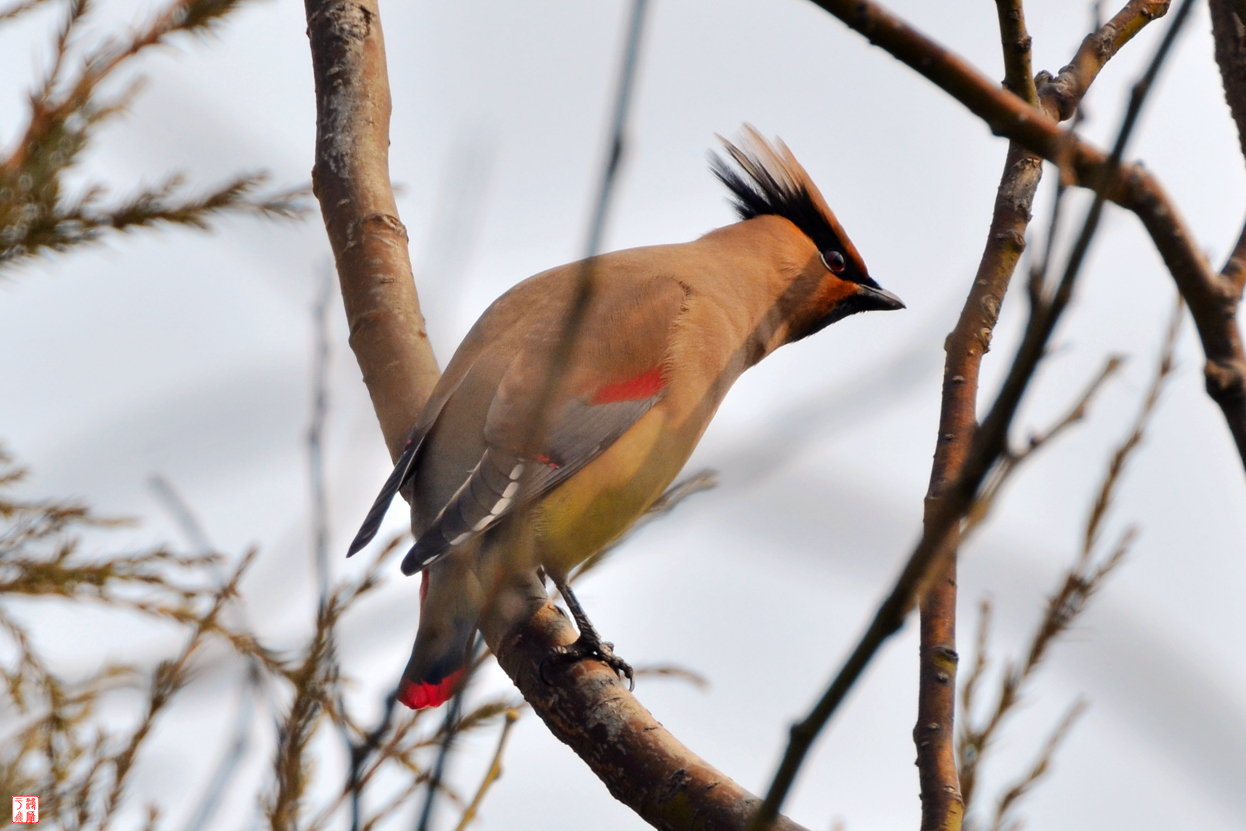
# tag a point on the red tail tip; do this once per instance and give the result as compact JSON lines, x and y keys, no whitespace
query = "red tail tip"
{"x":419,"y":696}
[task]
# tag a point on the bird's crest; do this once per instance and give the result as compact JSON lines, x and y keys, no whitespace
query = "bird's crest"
{"x":767,"y":179}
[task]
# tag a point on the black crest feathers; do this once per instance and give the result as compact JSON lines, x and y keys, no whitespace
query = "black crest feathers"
{"x":767,"y":179}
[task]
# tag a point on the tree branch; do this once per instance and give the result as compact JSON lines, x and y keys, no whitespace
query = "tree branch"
{"x":1229,"y":34}
{"x":351,"y":180}
{"x":1062,"y":94}
{"x":642,"y":764}
{"x":1018,"y":76}
{"x":968,"y":342}
{"x":1211,"y":298}
{"x":637,"y":759}
{"x":940,"y":532}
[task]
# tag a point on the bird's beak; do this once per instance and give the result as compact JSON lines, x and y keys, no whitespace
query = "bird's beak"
{"x":874,"y":299}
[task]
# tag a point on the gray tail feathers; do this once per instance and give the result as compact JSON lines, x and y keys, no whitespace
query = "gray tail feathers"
{"x":451,"y":602}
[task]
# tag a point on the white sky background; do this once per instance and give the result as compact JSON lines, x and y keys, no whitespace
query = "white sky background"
{"x":189,"y":355}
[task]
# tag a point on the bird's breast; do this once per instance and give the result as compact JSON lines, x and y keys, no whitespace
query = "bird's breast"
{"x":596,"y":505}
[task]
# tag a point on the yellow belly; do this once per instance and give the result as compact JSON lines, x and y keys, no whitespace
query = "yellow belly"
{"x":597,"y":504}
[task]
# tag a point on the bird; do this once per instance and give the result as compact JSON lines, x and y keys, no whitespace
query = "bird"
{"x":579,"y":394}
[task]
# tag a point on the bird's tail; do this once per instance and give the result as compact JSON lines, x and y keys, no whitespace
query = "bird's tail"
{"x":450,"y":604}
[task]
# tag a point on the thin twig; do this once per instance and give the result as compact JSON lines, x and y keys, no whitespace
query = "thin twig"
{"x":1041,"y":765}
{"x":315,"y":434}
{"x":1018,"y":75}
{"x":1212,"y":299}
{"x":671,"y":498}
{"x":230,"y":761}
{"x":181,"y":512}
{"x":1078,"y":584}
{"x":988,"y":444}
{"x":560,"y":357}
{"x":966,"y":346}
{"x":494,"y":772}
{"x":1013,"y":459}
{"x":448,"y":732}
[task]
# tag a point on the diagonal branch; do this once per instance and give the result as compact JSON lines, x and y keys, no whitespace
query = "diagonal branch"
{"x":351,"y":180}
{"x":940,"y":532}
{"x":965,"y":346}
{"x":1212,"y":299}
{"x":1229,"y":33}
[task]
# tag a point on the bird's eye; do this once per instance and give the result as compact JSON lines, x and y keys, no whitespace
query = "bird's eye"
{"x":834,"y":261}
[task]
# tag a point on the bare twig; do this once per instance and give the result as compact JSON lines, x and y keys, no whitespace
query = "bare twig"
{"x":1229,"y":33}
{"x":494,"y":772}
{"x":1211,"y":297}
{"x":230,"y":761}
{"x":66,"y":110}
{"x":181,"y":513}
{"x":449,"y":731}
{"x":937,"y":543}
{"x":1062,"y":93}
{"x":965,"y":347}
{"x":1012,"y":459}
{"x":19,"y":9}
{"x":702,"y":480}
{"x":315,"y":435}
{"x":1079,"y":583}
{"x":1040,"y":767}
{"x":1018,"y":76}
{"x":169,"y":677}
{"x":315,"y":679}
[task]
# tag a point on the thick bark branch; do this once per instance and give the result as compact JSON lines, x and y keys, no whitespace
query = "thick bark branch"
{"x":1211,"y":298}
{"x":351,"y":181}
{"x":642,"y":764}
{"x":638,"y":760}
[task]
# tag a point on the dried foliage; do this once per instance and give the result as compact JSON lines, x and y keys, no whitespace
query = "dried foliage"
{"x":54,"y":743}
{"x":67,"y":108}
{"x":1077,"y":586}
{"x":60,"y":740}
{"x":55,"y":740}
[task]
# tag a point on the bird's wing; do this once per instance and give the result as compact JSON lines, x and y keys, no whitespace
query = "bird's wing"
{"x":617,"y":374}
{"x":464,"y":359}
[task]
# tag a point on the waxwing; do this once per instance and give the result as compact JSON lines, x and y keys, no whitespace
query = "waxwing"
{"x":537,"y":448}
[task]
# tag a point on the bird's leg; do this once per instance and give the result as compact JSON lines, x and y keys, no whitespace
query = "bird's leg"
{"x":589,"y":644}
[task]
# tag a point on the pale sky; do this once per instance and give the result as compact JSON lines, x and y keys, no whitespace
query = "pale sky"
{"x":189,"y":355}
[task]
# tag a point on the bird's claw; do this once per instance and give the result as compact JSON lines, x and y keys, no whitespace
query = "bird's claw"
{"x":589,"y":648}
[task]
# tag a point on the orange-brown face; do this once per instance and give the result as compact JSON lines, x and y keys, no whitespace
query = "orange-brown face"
{"x":844,"y":288}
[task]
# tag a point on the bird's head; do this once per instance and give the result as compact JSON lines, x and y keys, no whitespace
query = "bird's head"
{"x":830,"y":281}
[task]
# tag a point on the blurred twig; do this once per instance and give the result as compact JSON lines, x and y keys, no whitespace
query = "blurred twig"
{"x":1079,"y":583}
{"x":315,"y":433}
{"x":1211,"y":297}
{"x":494,"y":772}
{"x":169,"y":678}
{"x":67,"y":109}
{"x":1038,"y":770}
{"x":702,"y":480}
{"x":966,"y":346}
{"x":989,"y":442}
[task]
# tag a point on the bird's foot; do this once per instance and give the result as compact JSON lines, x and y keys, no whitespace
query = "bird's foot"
{"x":588,"y":646}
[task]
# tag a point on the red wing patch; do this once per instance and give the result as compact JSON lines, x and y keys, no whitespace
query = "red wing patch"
{"x":419,"y":696}
{"x":645,"y":385}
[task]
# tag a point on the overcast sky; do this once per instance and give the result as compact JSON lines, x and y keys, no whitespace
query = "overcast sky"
{"x":189,"y":355}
